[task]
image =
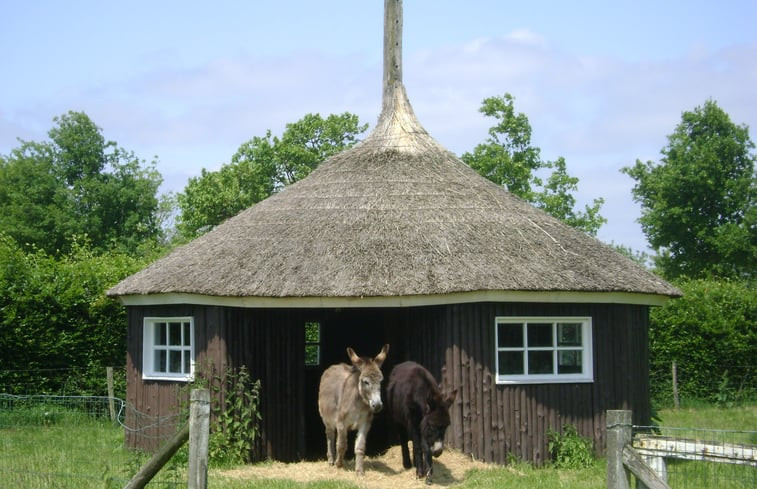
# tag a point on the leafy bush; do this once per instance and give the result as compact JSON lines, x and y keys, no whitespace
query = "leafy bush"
{"x":55,"y":317}
{"x":570,"y":450}
{"x":710,"y":333}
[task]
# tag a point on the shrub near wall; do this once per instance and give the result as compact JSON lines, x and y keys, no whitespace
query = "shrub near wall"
{"x":711,"y":334}
{"x":54,"y":317}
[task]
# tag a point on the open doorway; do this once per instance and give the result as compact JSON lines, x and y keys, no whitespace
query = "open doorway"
{"x":328,"y":334}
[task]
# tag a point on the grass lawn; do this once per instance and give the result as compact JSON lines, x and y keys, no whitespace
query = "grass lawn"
{"x":47,"y":447}
{"x":709,"y":417}
{"x":84,"y":453}
{"x":704,"y":425}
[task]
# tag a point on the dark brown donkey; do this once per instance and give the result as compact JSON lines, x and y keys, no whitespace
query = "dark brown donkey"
{"x":348,"y":397}
{"x":421,"y":413}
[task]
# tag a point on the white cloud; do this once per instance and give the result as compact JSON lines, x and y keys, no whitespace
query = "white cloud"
{"x":600,"y":113}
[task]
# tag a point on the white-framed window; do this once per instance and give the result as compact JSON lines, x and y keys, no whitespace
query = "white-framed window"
{"x":168,"y":348}
{"x":312,"y":343}
{"x":543,"y":350}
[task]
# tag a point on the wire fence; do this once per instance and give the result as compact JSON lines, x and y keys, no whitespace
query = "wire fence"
{"x":692,"y":458}
{"x":70,"y":381}
{"x":56,"y":441}
{"x":676,"y":383}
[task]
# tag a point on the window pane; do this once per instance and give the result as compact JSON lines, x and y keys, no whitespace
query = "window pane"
{"x":312,"y":354}
{"x":187,"y":362}
{"x":510,"y":362}
{"x":539,"y":334}
{"x":568,"y":334}
{"x":312,"y":332}
{"x":187,"y":336}
{"x":569,"y":362}
{"x":174,"y":333}
{"x":174,"y":361}
{"x":159,"y":363}
{"x":510,"y":336}
{"x":160,"y":333}
{"x":540,"y":362}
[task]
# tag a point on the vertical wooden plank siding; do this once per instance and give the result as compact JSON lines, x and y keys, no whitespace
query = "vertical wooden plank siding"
{"x":455,"y":342}
{"x":491,"y":421}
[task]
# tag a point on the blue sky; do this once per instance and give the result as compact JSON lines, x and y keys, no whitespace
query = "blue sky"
{"x":602,"y":83}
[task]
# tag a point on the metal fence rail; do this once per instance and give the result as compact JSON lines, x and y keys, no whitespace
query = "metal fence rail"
{"x":46,"y":409}
{"x":699,"y":458}
{"x":678,"y":458}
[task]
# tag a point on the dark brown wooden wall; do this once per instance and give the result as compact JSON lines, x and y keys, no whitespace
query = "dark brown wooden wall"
{"x":491,"y":421}
{"x":455,"y":342}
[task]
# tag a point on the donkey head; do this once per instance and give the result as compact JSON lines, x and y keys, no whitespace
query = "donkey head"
{"x":369,"y":382}
{"x":436,"y":420}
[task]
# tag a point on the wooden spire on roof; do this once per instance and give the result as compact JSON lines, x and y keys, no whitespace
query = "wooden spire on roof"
{"x":398,"y":127}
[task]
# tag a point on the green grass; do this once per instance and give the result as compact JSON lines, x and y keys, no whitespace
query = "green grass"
{"x":84,"y":455}
{"x":42,"y":449}
{"x":712,"y":418}
{"x":704,"y":422}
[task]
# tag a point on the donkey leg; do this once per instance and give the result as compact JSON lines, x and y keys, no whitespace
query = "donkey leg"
{"x":406,"y":461}
{"x":341,"y":444}
{"x":362,"y":434}
{"x":428,"y":463}
{"x":330,"y":444}
{"x":418,"y":458}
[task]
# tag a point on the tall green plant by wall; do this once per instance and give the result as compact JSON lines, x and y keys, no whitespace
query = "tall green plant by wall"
{"x":235,"y":420}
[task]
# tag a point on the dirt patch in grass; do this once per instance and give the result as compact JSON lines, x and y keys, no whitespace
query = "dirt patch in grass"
{"x":381,"y":472}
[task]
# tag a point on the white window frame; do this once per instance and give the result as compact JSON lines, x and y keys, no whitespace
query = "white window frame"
{"x":149,"y":348}
{"x":587,"y":364}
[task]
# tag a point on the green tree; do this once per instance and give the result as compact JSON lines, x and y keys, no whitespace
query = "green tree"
{"x":33,"y":201}
{"x":698,"y":203}
{"x":54,"y":315}
{"x":556,"y":198}
{"x":262,"y":166}
{"x":509,"y":159}
{"x":77,"y":184}
{"x":710,"y":333}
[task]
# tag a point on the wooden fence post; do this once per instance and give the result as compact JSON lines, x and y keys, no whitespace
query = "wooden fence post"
{"x":676,"y":401}
{"x":153,"y":466}
{"x":199,"y":429}
{"x":618,"y":435}
{"x":111,"y":393}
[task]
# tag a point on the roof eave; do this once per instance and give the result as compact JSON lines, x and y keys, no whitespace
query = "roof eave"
{"x":579,"y":297}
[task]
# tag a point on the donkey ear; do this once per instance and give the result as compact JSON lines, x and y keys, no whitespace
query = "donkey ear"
{"x":433,"y":400}
{"x":354,"y":358}
{"x":382,"y":355}
{"x":450,"y":398}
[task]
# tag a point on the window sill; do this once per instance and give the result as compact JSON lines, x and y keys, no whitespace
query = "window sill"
{"x":168,"y":378}
{"x":552,"y":380}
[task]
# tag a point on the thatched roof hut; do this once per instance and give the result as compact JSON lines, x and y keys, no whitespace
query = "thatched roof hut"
{"x":397,"y":241}
{"x":396,"y":218}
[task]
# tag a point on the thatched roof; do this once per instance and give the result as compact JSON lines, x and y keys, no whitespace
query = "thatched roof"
{"x":396,"y":217}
